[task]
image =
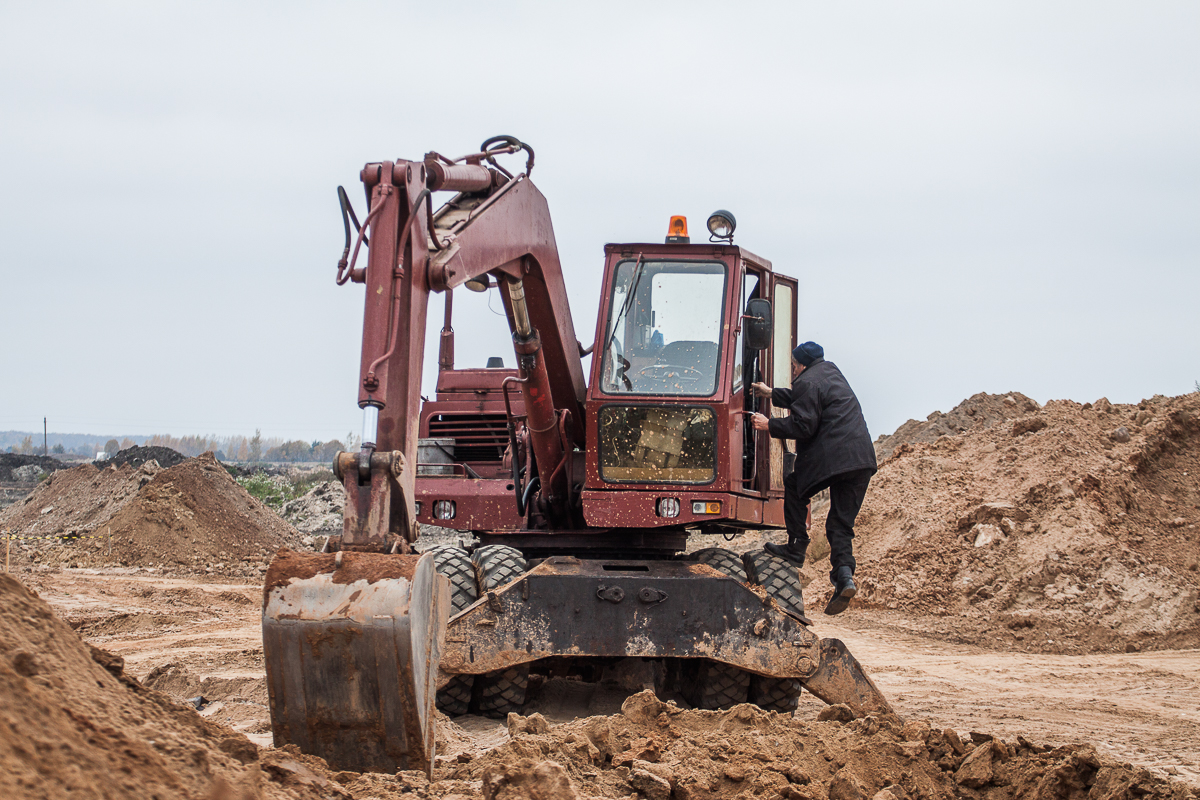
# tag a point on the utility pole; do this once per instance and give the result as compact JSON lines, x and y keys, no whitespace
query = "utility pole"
{"x":45,"y":444}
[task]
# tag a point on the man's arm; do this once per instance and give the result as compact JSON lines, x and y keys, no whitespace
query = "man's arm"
{"x":802,"y":423}
{"x":780,"y":398}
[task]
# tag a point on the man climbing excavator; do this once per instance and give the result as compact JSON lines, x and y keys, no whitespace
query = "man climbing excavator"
{"x":581,"y":493}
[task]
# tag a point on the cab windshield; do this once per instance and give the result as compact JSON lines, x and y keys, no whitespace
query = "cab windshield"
{"x":664,"y":328}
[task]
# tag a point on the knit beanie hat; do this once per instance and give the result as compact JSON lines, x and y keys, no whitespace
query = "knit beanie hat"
{"x":807,"y":353}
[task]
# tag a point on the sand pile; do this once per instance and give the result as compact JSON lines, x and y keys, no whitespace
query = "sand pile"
{"x":191,"y":517}
{"x":76,"y":500}
{"x":657,"y":751}
{"x":72,"y":724}
{"x":1069,"y":528}
{"x":978,"y":412}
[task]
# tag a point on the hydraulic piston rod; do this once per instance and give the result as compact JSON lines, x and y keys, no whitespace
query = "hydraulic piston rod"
{"x":539,"y":404}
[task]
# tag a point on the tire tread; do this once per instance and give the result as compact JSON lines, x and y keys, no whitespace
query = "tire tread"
{"x":498,"y":693}
{"x":722,"y":560}
{"x":454,"y":699}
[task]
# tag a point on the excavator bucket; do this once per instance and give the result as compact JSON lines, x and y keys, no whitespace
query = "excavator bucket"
{"x":352,"y":643}
{"x":839,"y":678}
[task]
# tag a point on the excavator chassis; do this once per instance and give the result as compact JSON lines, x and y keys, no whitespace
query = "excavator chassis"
{"x":357,"y":644}
{"x":650,"y":609}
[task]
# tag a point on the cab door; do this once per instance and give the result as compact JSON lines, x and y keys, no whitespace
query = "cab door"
{"x":763,"y":457}
{"x":779,"y":362}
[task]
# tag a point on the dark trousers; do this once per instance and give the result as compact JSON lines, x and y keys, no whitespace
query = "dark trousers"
{"x":846,"y":493}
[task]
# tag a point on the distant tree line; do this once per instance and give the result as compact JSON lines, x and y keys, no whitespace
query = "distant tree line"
{"x":228,"y":448}
{"x":256,"y":447}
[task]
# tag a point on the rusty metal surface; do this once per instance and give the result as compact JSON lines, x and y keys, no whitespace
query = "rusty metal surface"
{"x":594,"y":542}
{"x":636,"y":508}
{"x":503,"y":228}
{"x":352,"y":664}
{"x":512,"y":233}
{"x":479,"y":504}
{"x":458,"y":177}
{"x":648,"y":609}
{"x":839,"y":678}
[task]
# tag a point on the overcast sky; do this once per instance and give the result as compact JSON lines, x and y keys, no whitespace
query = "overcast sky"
{"x":974,"y":197}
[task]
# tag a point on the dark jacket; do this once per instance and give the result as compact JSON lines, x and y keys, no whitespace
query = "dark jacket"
{"x":827,"y":424}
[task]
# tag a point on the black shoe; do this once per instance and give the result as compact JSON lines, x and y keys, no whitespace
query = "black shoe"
{"x":793,"y":554}
{"x":843,"y":590}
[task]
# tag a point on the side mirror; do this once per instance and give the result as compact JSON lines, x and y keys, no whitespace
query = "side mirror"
{"x":759,"y":323}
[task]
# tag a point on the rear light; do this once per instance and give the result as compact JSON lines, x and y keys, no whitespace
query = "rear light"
{"x":668,"y":507}
{"x":443,"y":509}
{"x":704,"y":507}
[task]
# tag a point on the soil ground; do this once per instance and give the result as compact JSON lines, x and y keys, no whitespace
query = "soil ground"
{"x":1027,"y":573}
{"x":199,"y":636}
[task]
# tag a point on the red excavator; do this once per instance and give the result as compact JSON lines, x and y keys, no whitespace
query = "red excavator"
{"x":581,"y":490}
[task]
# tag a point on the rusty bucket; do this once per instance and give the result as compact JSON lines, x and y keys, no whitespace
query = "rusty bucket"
{"x":352,"y":643}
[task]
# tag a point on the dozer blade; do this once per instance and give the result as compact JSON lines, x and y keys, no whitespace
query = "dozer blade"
{"x":352,"y":643}
{"x":841,"y":679}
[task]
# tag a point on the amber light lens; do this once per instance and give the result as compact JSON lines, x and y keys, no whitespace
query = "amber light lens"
{"x":702,"y":507}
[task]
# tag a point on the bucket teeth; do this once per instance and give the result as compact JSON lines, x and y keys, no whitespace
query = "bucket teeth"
{"x":841,"y":679}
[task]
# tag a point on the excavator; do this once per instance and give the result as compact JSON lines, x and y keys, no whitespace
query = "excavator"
{"x":579,"y":491}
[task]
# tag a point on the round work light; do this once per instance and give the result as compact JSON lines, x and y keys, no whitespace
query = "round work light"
{"x":721,"y":224}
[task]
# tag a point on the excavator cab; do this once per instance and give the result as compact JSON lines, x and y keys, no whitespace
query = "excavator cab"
{"x":576,"y":492}
{"x":683,"y":331}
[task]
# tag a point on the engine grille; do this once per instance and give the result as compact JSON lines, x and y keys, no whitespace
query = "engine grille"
{"x":477,"y":437}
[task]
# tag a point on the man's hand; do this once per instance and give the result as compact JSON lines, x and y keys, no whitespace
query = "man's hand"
{"x":759,"y":422}
{"x":761,"y":389}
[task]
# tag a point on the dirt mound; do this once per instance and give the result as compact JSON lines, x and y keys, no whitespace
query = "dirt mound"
{"x":73,"y":724}
{"x":194,"y":515}
{"x":657,"y":751}
{"x":318,"y":509}
{"x":191,"y":517}
{"x":137,"y":455}
{"x":1071,"y":528}
{"x":15,"y":468}
{"x":80,"y":499}
{"x":977,"y":412}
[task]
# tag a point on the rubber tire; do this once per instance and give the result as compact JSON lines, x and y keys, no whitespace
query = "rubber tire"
{"x":775,"y":694}
{"x":502,"y":692}
{"x":782,"y":582}
{"x":454,"y":699}
{"x":497,"y":565}
{"x":722,"y":560}
{"x":778,"y":577}
{"x":712,"y":685}
{"x":455,"y":564}
{"x":498,"y":693}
